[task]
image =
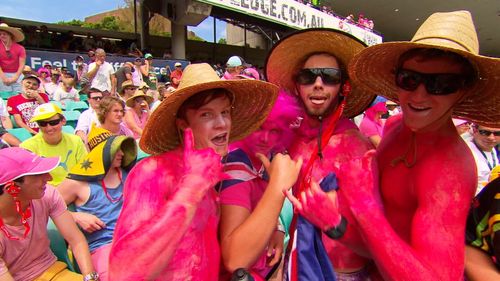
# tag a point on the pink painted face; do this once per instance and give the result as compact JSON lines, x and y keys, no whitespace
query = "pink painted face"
{"x":422,"y":111}
{"x":264,"y":139}
{"x":319,"y":98}
{"x":211,"y":125}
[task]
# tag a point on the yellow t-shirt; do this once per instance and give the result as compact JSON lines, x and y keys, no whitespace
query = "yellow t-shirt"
{"x":71,"y":149}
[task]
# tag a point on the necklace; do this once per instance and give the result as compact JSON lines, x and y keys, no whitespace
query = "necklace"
{"x":404,"y":157}
{"x":24,"y":220}
{"x":111,"y":199}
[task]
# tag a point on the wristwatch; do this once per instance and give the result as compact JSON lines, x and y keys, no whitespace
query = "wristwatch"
{"x":93,"y":276}
{"x":338,"y":231}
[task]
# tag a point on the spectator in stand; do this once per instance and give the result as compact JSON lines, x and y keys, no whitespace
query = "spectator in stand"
{"x":88,"y":118}
{"x":23,"y":105}
{"x":26,"y":203}
{"x":176,"y":75}
{"x":463,"y":126}
{"x":5,"y":123}
{"x":52,"y":141}
{"x":66,"y":91}
{"x":81,"y":68}
{"x":164,"y":76}
{"x":234,"y":66}
{"x":95,"y":186}
{"x":138,"y":114}
{"x":44,"y":75}
{"x":91,"y":55}
{"x":28,"y":71}
{"x":12,"y":59}
{"x":124,"y":73}
{"x":101,"y":74}
{"x":482,"y":251}
{"x":51,"y":87}
{"x":372,"y":125}
{"x":110,"y":114}
{"x":483,"y":142}
{"x":136,"y":74}
{"x":45,"y":37}
{"x":146,"y":67}
{"x":127,"y":90}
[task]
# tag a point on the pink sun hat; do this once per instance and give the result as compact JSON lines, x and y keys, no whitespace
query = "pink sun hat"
{"x":18,"y":162}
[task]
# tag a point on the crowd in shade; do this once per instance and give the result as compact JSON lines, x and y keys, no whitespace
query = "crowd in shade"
{"x":337,"y":162}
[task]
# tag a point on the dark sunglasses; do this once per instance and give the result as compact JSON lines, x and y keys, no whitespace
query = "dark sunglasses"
{"x":487,"y":133}
{"x":307,"y":76}
{"x":438,"y":84}
{"x":51,"y":123}
{"x":96,"y":98}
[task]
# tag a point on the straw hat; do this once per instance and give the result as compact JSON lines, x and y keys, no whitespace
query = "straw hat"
{"x":96,"y":164}
{"x":252,"y":102}
{"x":288,"y":55}
{"x":138,"y":93}
{"x":17,"y":35}
{"x":125,"y":84}
{"x":454,"y":31}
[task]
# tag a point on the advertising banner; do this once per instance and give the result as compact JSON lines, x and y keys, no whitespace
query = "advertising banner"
{"x":295,"y":15}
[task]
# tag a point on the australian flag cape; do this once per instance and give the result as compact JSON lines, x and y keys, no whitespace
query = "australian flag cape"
{"x":240,"y":169}
{"x":308,"y":260}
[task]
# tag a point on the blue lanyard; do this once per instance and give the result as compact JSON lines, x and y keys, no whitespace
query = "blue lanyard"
{"x":486,"y":158}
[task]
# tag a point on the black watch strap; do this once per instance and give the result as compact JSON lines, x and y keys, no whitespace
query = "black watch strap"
{"x":338,"y":231}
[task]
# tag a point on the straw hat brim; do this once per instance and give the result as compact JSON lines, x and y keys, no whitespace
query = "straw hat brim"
{"x":288,"y":55}
{"x":373,"y":69}
{"x":130,"y":101}
{"x":16,"y":33}
{"x":252,"y":102}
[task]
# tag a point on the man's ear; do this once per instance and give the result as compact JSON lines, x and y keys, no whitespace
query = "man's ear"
{"x":63,"y":121}
{"x":181,"y":124}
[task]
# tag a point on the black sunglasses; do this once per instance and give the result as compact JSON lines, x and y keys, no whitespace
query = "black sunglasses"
{"x":487,"y":133}
{"x":438,"y":84}
{"x":307,"y":76}
{"x":51,"y":123}
{"x":96,"y":98}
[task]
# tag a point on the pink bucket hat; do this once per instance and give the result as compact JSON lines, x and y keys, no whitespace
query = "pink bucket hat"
{"x":18,"y":162}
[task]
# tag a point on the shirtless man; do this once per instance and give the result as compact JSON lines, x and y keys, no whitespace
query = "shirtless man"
{"x":315,"y":72}
{"x":411,"y":212}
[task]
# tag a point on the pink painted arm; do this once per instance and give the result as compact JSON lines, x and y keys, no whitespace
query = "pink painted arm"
{"x":158,"y":210}
{"x":435,"y":250}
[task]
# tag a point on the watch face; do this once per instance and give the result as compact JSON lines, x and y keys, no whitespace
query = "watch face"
{"x":93,"y":276}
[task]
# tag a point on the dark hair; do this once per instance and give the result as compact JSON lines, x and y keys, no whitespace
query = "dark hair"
{"x":202,"y":98}
{"x":431,"y":53}
{"x":93,"y":90}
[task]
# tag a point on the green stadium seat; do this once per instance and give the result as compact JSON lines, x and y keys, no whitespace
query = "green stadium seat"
{"x":14,"y":124}
{"x":76,"y":105}
{"x":58,"y":103}
{"x":71,"y":117}
{"x":68,"y":129}
{"x":84,"y":97}
{"x":6,"y":95}
{"x":141,"y":154}
{"x":21,"y":133}
{"x":59,"y":247}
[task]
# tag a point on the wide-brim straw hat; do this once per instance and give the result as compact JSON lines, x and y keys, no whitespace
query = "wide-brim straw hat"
{"x":138,"y":93}
{"x":17,"y":35}
{"x":252,"y":102}
{"x":288,"y":56}
{"x":374,"y":67}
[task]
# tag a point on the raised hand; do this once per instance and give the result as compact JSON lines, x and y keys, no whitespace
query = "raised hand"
{"x":282,"y":170}
{"x":318,"y":207}
{"x":202,"y":169}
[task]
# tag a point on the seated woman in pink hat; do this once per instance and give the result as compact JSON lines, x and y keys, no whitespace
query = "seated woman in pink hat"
{"x":169,"y":222}
{"x":26,"y":204}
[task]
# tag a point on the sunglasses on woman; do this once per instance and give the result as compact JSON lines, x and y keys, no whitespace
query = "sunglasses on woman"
{"x":487,"y":133}
{"x":51,"y":123}
{"x":438,"y":84}
{"x":330,"y":76}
